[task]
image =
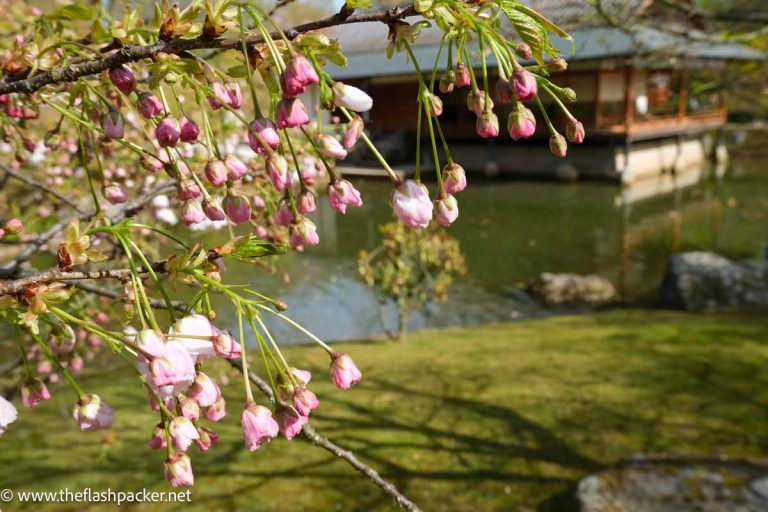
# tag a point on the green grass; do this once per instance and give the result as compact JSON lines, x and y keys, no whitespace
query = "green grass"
{"x":491,"y":418}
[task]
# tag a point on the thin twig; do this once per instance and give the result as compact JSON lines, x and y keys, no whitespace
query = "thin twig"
{"x":36,"y":184}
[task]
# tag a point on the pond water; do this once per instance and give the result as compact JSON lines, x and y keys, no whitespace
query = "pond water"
{"x":510,"y":232}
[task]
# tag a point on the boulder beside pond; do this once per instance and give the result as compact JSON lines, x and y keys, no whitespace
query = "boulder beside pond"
{"x":704,"y":281}
{"x":555,"y":289}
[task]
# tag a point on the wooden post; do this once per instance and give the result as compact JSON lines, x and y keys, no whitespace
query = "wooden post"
{"x":598,"y":99}
{"x":682,"y":98}
{"x":629,"y":98}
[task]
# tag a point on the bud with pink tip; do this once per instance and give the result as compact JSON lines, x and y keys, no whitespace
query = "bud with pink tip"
{"x":235,"y":95}
{"x":574,"y":130}
{"x":217,"y":411}
{"x":123,"y":78}
{"x":305,"y":401}
{"x":447,"y":82}
{"x":14,"y":226}
{"x":291,"y":113}
{"x":204,"y":390}
{"x":188,"y":190}
{"x":237,"y":208}
{"x":487,"y":125}
{"x":476,"y":101}
{"x":189,"y":130}
{"x":504,"y":90}
{"x":62,"y":339}
{"x":149,"y":106}
{"x":113,"y":125}
{"x":299,"y":73}
{"x":524,"y":84}
{"x":265,"y":129}
{"x":115,"y":193}
{"x":182,"y":432}
{"x":434,"y":104}
{"x":446,"y":210}
{"x":289,"y":421}
{"x":304,"y":232}
{"x":220,"y":96}
{"x":353,"y":132}
{"x":34,"y":391}
{"x":157,"y":440}
{"x":151,"y":342}
{"x":192,"y":213}
{"x":454,"y":178}
{"x":213,"y":210}
{"x":178,"y":470}
{"x":277,"y":167}
{"x":236,"y":169}
{"x":411,"y":203}
{"x":341,"y":193}
{"x":152,"y":165}
{"x":305,"y":203}
{"x":175,"y":367}
{"x":92,"y":414}
{"x":207,"y":439}
{"x":258,"y":425}
{"x":284,"y":213}
{"x":557,"y":145}
{"x":329,"y":146}
{"x":344,"y":373}
{"x":521,"y":123}
{"x":167,"y":132}
{"x":189,"y":408}
{"x":225,"y":346}
{"x":351,"y":97}
{"x":524,"y":51}
{"x":463,"y":78}
{"x":216,"y":172}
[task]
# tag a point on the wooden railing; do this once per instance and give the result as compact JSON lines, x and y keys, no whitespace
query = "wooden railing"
{"x":667,"y":124}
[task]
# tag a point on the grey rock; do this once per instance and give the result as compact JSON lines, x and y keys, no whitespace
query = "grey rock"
{"x":555,"y":289}
{"x":704,"y":281}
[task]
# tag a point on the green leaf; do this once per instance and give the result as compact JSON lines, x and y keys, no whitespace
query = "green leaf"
{"x":74,"y":12}
{"x":359,"y":4}
{"x":250,"y":248}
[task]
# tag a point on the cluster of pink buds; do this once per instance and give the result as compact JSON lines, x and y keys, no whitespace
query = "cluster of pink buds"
{"x":13,"y":226}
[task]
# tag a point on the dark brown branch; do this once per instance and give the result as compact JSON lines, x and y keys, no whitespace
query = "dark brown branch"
{"x":135,"y":53}
{"x":309,"y":433}
{"x":34,"y":184}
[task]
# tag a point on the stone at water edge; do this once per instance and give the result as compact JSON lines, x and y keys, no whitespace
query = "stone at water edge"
{"x":566,"y":288}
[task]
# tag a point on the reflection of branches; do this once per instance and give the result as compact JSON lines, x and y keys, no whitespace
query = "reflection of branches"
{"x":279,"y":5}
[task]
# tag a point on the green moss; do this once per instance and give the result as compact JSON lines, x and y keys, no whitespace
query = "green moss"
{"x":491,"y":418}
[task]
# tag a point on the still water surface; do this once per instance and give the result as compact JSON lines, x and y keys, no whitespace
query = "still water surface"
{"x":510,"y":232}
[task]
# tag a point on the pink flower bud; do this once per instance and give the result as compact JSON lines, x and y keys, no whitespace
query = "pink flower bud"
{"x":504,"y":90}
{"x":289,"y":421}
{"x":152,"y":165}
{"x":8,"y":414}
{"x":207,"y":439}
{"x":14,"y":226}
{"x":351,"y":98}
{"x":344,"y":373}
{"x":305,"y":401}
{"x":524,"y":51}
{"x":220,"y":96}
{"x":113,"y":125}
{"x":235,"y":95}
{"x":237,"y":208}
{"x":167,"y":132}
{"x":92,"y":414}
{"x":225,"y":346}
{"x":149,"y":106}
{"x":34,"y":391}
{"x":303,"y":233}
{"x":189,"y":408}
{"x":329,"y":146}
{"x":306,"y":202}
{"x":291,"y":113}
{"x":188,"y":190}
{"x":192,"y":213}
{"x":434,"y":104}
{"x":176,"y":367}
{"x":258,"y":426}
{"x":277,"y":167}
{"x":353,"y":132}
{"x":217,"y":411}
{"x":299,"y":73}
{"x":454,"y":178}
{"x":557,"y":145}
{"x":151,"y":342}
{"x":574,"y":130}
{"x":62,"y":339}
{"x":265,"y":129}
{"x":76,"y":363}
{"x":462,"y":76}
{"x":476,"y":102}
{"x":341,"y":193}
{"x":216,"y":172}
{"x":487,"y":125}
{"x":521,"y":123}
{"x":236,"y":169}
{"x":411,"y":203}
{"x":446,"y":210}
{"x":157,"y":440}
{"x":178,"y":470}
{"x":204,"y":390}
{"x":189,"y":130}
{"x":123,"y":78}
{"x":524,"y":84}
{"x":447,"y":82}
{"x":115,"y":194}
{"x":284,"y":213}
{"x":182,"y":432}
{"x":213,"y":210}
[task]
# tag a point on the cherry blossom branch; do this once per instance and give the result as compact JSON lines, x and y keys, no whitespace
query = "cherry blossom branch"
{"x":133,"y":53}
{"x":309,"y":433}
